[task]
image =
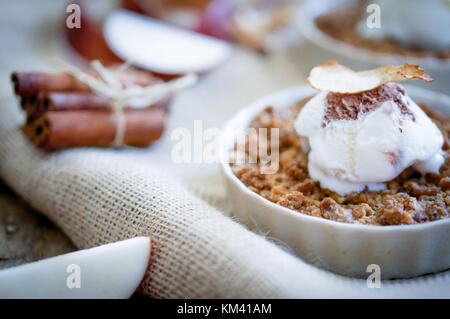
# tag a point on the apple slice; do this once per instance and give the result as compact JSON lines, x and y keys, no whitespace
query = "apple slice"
{"x":334,"y":77}
{"x":160,"y":47}
{"x":109,"y":271}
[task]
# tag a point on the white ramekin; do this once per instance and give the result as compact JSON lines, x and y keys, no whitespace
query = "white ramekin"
{"x":400,"y":251}
{"x":311,"y":9}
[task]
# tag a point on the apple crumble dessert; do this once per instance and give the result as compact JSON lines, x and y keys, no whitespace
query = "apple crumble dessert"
{"x":367,"y":157}
{"x":422,"y":36}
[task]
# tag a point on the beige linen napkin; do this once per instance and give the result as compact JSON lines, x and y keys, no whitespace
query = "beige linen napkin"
{"x":98,"y":196}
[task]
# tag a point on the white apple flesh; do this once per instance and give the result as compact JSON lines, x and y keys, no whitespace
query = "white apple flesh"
{"x":108,"y":271}
{"x":160,"y":47}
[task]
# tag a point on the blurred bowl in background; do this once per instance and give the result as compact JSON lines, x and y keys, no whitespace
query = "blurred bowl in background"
{"x":310,"y":10}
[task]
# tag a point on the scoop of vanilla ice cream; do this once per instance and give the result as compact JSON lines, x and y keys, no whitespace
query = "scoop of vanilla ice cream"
{"x":348,"y":155}
{"x":411,"y":22}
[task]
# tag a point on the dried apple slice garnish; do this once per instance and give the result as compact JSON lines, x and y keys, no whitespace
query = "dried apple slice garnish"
{"x":334,"y":77}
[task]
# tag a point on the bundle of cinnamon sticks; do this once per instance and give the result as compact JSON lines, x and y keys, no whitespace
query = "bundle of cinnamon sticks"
{"x":64,"y":112}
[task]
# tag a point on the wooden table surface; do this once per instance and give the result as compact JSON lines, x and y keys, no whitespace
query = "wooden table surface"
{"x":26,"y":235}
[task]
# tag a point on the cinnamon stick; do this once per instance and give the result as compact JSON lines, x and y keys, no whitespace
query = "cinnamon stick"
{"x":29,"y":107}
{"x":56,"y":130}
{"x":71,"y":101}
{"x":31,"y":83}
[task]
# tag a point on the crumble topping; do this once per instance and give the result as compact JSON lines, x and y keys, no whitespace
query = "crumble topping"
{"x":408,"y":199}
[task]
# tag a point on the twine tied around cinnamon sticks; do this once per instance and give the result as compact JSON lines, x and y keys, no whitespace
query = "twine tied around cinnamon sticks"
{"x":130,"y":95}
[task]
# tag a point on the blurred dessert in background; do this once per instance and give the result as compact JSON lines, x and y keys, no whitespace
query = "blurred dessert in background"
{"x":413,"y":23}
{"x":411,"y":28}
